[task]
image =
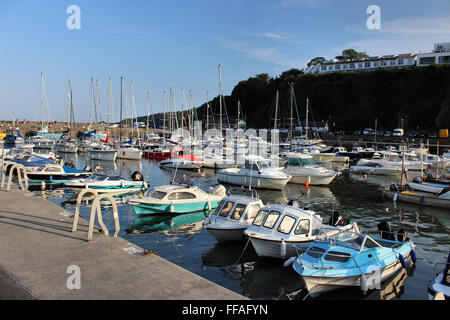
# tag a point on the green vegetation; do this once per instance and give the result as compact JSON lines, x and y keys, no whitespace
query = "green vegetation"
{"x":418,"y":95}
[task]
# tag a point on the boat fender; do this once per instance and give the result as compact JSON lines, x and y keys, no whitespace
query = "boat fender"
{"x":172,"y":210}
{"x":393,"y":187}
{"x":403,"y":261}
{"x":289,"y":262}
{"x":283,"y":249}
{"x":363,"y":284}
{"x":402,"y":235}
{"x":413,"y":256}
{"x":137,"y":176}
{"x":294,"y":203}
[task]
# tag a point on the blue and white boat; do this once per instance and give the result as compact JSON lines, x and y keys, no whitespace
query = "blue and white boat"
{"x":348,"y":259}
{"x":13,"y":138}
{"x":109,"y":184}
{"x":56,"y":173}
{"x":177,"y":199}
{"x":441,"y":280}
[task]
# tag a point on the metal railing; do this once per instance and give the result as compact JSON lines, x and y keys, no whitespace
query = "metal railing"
{"x":96,"y":210}
{"x":21,"y":174}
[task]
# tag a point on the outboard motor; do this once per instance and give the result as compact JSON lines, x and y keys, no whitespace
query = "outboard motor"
{"x":219,"y":190}
{"x":137,"y":176}
{"x":337,"y":220}
{"x":385,"y":230}
{"x":402,"y":235}
{"x":393,"y":187}
{"x":294,"y":203}
{"x":416,"y":180}
{"x":69,"y":164}
{"x":87,"y":168}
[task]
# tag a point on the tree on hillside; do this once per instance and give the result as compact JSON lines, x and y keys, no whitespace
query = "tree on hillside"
{"x":316,"y":60}
{"x":353,"y":54}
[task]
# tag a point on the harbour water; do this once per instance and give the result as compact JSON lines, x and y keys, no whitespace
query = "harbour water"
{"x":183,"y":241}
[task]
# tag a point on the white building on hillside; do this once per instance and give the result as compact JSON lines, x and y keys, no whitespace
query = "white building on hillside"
{"x":440,"y":55}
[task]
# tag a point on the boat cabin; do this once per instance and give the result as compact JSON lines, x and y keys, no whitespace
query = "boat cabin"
{"x":299,"y":160}
{"x":236,"y":208}
{"x":286,"y":221}
{"x":257,"y":163}
{"x":339,"y":149}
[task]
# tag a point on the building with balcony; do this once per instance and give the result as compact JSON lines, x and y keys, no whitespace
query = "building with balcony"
{"x":440,"y":55}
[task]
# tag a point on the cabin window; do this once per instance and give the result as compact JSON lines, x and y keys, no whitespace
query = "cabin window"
{"x":252,"y":211}
{"x":158,"y":194}
{"x":260,"y":217}
{"x":271,"y":219}
{"x":337,"y":256}
{"x":219,"y":207}
{"x":316,"y":252}
{"x":181,"y":196}
{"x":226,"y":209}
{"x":286,"y":224}
{"x":52,"y":169}
{"x":302,"y":227}
{"x":237,"y":213}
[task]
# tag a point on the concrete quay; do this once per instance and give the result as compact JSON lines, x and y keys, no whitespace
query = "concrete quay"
{"x":38,"y":247}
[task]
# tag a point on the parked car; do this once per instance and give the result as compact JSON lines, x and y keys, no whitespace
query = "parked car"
{"x":357,"y":133}
{"x":387,"y":134}
{"x":432,"y":135}
{"x":368,"y":132}
{"x":398,"y":133}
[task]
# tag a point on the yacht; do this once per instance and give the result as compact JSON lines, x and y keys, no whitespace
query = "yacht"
{"x":102,"y":152}
{"x":304,"y":170}
{"x":256,"y":172}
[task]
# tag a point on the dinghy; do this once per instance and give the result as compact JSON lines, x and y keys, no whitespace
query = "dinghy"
{"x":283,"y":231}
{"x":348,"y":259}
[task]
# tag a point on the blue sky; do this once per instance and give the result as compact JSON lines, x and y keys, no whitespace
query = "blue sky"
{"x":179,"y":44}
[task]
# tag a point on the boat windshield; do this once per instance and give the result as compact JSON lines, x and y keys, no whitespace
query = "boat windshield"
{"x":95,"y":178}
{"x":348,"y":239}
{"x":300,"y":162}
{"x":265,"y":164}
{"x":157,"y":194}
{"x":392,"y":157}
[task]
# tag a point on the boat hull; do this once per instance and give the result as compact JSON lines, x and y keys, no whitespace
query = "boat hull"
{"x":180,"y":208}
{"x":253,"y":181}
{"x":222,"y":235}
{"x":417,"y":199}
{"x":272,"y":248}
{"x":103,"y":155}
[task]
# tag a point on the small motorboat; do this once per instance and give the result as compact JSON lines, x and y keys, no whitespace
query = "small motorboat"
{"x":110,"y":184}
{"x":102,"y":152}
{"x":441,"y":200}
{"x":66,"y":146}
{"x":256,"y":172}
{"x":232,"y":216}
{"x":419,"y":184}
{"x":216,"y":161}
{"x":441,"y":281}
{"x":184,"y":161}
{"x":13,"y":138}
{"x":56,"y":173}
{"x":40,"y":142}
{"x":127,"y":151}
{"x":283,"y":231}
{"x":348,"y":259}
{"x":304,"y":170}
{"x":342,"y":152}
{"x":375,"y":168}
{"x":177,"y":199}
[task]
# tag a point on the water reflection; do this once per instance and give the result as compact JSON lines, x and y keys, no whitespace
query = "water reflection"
{"x":163,"y":222}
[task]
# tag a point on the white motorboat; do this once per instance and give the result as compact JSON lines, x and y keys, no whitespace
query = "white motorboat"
{"x":341,"y":155}
{"x":256,"y":172}
{"x":177,"y":199}
{"x":214,"y":161}
{"x":316,"y":154}
{"x":304,"y":170}
{"x":109,"y":184}
{"x":128,"y":152}
{"x":187,"y":162}
{"x":375,"y":168}
{"x":40,"y":142}
{"x":429,"y":186}
{"x":102,"y":153}
{"x":388,"y":159}
{"x":233,"y":215}
{"x":283,"y":231}
{"x":432,"y":160}
{"x":66,"y":147}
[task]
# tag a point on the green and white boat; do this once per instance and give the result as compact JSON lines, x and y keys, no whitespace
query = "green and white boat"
{"x":177,"y":199}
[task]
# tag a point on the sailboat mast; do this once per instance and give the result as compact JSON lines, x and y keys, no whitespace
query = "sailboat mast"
{"x":42,"y":101}
{"x":96,"y":104}
{"x":91,"y":102}
{"x":109,"y":100}
{"x":292,"y":110}
{"x":207,"y":110}
{"x":148,"y":111}
{"x":164,"y":116}
{"x":306,"y":125}
{"x":220,"y":96}
{"x":239,"y":106}
{"x":182,"y":111}
{"x":276,"y":111}
{"x":121,"y":101}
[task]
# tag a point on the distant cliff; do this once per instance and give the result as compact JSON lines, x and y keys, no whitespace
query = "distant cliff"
{"x":418,"y":95}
